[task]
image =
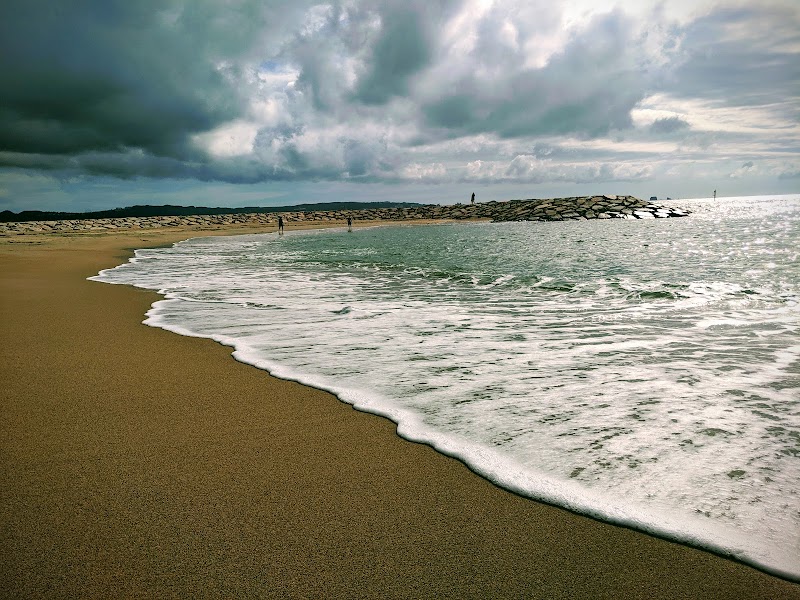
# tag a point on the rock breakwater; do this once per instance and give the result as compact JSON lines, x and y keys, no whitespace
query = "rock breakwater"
{"x":554,"y":209}
{"x":579,"y":209}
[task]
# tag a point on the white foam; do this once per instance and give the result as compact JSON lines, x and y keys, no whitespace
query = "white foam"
{"x":508,"y":473}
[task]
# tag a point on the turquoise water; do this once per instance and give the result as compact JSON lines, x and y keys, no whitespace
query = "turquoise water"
{"x":642,"y":372}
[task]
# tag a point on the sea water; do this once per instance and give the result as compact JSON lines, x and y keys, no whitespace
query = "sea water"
{"x":643,"y":372}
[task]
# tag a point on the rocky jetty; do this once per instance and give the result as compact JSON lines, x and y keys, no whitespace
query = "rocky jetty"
{"x":554,"y":209}
{"x":578,"y":209}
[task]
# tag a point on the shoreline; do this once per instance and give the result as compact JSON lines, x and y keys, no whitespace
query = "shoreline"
{"x":140,"y":462}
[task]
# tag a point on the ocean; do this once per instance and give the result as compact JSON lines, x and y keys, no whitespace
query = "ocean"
{"x":641,"y":372}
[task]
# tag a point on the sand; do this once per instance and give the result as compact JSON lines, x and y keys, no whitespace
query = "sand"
{"x":139,"y":463}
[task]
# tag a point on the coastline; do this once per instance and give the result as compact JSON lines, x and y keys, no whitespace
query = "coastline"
{"x":142,"y":463}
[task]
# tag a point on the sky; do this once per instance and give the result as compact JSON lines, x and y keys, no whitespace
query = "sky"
{"x":110,"y":103}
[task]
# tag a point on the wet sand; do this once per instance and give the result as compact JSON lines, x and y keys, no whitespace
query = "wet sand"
{"x":139,"y":463}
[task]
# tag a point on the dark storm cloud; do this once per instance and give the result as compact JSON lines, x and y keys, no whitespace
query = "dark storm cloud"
{"x":740,"y":57}
{"x":668,"y":125}
{"x":586,"y":89}
{"x":389,"y":42}
{"x":109,"y":75}
{"x":404,"y":47}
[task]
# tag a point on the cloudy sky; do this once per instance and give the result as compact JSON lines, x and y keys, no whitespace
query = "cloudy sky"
{"x":108,"y":103}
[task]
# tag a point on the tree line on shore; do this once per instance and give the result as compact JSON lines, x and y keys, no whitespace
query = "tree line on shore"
{"x":168,"y":210}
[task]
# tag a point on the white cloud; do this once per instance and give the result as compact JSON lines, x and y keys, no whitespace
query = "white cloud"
{"x":746,"y":169}
{"x":531,"y":169}
{"x":424,"y":172}
{"x":232,"y":139}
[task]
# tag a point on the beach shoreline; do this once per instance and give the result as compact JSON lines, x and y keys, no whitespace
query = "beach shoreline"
{"x":138,"y":462}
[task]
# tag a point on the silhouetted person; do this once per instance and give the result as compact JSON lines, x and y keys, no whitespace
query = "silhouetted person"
{"x":472,"y":201}
{"x":349,"y":224}
{"x":715,"y":194}
{"x":280,"y":224}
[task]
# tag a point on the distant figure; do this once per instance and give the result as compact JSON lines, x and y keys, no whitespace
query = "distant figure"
{"x":349,"y":224}
{"x":715,"y":194}
{"x":472,"y":201}
{"x":280,"y":224}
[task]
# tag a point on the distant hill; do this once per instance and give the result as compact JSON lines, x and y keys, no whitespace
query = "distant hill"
{"x":168,"y":210}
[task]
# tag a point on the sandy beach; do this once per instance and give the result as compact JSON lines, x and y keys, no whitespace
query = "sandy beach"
{"x":139,"y":463}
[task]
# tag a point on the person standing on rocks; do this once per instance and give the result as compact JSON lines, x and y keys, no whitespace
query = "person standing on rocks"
{"x":472,"y":200}
{"x":280,"y":224}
